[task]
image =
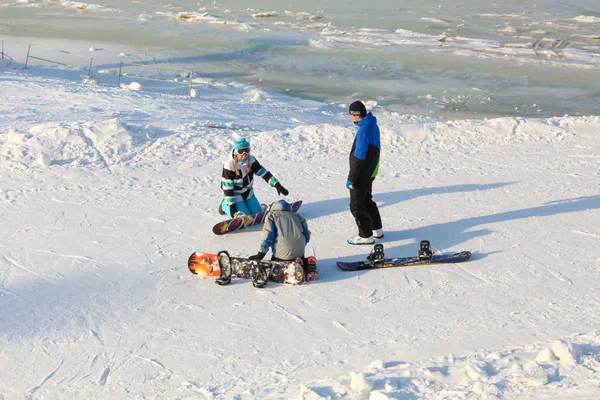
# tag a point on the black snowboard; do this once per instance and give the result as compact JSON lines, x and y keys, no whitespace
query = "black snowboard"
{"x":425,"y":256}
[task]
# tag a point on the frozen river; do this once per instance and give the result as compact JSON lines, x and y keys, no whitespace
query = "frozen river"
{"x":517,"y":58}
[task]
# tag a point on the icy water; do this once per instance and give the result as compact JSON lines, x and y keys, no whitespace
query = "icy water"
{"x":473,"y":60}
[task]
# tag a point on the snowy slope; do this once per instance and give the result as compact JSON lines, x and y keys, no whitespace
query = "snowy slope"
{"x":105,"y":193}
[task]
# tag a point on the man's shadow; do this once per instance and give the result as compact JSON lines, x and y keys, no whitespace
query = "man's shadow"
{"x":333,"y":206}
{"x":328,"y":270}
{"x":452,"y":234}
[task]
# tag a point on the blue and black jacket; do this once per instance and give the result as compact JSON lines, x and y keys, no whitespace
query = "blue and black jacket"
{"x":364,"y":156}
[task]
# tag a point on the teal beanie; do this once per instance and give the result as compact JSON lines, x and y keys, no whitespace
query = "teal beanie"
{"x":242,"y":143}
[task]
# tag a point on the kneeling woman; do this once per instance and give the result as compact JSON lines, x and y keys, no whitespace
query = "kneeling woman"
{"x":237,"y":180}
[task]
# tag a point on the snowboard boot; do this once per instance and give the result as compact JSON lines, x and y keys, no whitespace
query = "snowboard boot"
{"x":310,"y":269}
{"x":425,"y":252}
{"x":378,"y":233}
{"x":376,"y":257}
{"x":225,"y":267}
{"x":262,"y":276}
{"x":358,"y":240}
{"x":238,"y":214}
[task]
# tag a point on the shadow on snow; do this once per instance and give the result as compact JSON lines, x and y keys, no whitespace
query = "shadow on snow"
{"x":452,"y":234}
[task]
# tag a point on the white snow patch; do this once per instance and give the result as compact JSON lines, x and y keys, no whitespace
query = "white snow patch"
{"x":545,"y":357}
{"x":265,"y":14}
{"x":377,"y":395}
{"x":359,"y":383}
{"x":132,"y":86}
{"x":587,"y":18}
{"x":567,"y":353}
{"x":531,"y":374}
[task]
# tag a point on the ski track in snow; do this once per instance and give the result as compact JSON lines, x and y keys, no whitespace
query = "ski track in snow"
{"x":17,"y":265}
{"x":341,"y":326}
{"x":587,"y":234}
{"x":286,"y":312}
{"x":106,"y":192}
{"x":32,"y":391}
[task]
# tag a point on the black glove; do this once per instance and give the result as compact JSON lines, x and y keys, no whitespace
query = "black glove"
{"x":281,"y":189}
{"x":258,"y":256}
{"x":232,"y":210}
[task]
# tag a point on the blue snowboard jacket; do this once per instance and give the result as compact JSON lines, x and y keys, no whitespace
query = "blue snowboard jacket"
{"x":364,"y":156}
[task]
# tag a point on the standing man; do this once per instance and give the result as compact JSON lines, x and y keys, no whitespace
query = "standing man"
{"x":364,"y":165}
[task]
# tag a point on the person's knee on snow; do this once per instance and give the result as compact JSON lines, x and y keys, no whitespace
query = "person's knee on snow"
{"x":285,"y":233}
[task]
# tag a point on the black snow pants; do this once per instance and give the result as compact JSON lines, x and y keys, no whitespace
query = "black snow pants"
{"x":364,"y":209}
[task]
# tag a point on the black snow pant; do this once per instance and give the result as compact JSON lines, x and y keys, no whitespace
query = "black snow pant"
{"x":364,"y":209}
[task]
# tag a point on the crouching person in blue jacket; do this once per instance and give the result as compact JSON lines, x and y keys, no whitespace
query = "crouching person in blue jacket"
{"x":286,"y":233}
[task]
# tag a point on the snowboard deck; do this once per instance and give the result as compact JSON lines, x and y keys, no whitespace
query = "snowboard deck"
{"x":246,"y":221}
{"x":207,"y":264}
{"x":446,"y":258}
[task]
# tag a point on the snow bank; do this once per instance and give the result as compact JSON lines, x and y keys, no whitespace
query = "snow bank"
{"x":495,"y":374}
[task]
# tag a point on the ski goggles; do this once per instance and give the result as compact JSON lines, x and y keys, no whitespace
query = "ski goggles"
{"x":244,"y":150}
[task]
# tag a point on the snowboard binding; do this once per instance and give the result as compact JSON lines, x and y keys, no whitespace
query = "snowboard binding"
{"x":425,"y":252}
{"x":310,"y":270}
{"x":225,"y":268}
{"x":262,"y":276}
{"x":377,"y":256}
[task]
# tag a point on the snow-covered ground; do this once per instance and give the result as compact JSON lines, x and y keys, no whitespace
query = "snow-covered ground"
{"x":105,"y":192}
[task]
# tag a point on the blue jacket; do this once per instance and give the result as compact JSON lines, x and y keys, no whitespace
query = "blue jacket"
{"x":364,"y":156}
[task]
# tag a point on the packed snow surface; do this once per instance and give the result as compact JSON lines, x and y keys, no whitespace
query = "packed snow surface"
{"x":105,"y":192}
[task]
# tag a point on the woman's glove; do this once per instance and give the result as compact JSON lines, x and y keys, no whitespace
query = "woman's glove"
{"x":233,"y":210}
{"x":281,"y":189}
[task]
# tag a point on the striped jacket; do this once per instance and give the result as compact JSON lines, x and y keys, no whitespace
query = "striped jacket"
{"x":238,"y":177}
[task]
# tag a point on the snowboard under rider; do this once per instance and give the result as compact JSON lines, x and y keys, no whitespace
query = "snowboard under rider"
{"x":286,"y":233}
{"x":237,"y":179}
{"x":364,"y":166}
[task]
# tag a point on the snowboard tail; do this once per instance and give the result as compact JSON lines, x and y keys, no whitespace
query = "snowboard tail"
{"x":246,"y":221}
{"x":376,"y":260}
{"x":204,"y":264}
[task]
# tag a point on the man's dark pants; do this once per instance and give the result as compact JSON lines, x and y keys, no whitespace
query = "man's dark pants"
{"x":364,"y":209}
